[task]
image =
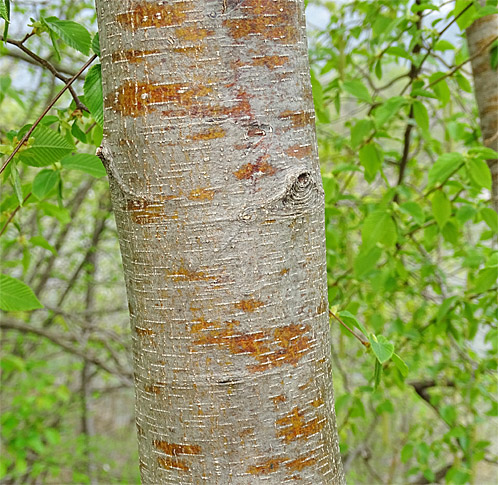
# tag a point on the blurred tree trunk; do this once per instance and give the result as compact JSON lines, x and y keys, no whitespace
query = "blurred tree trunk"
{"x":479,"y":37}
{"x":212,"y":161}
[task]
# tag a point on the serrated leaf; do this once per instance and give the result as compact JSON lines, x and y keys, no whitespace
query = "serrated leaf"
{"x":371,"y":159}
{"x":359,"y":132}
{"x":84,"y":162}
{"x":16,"y":184}
{"x":441,"y":208}
{"x":358,"y":90}
{"x":382,"y":348}
{"x":400,"y":364}
{"x":44,"y":182}
{"x":479,"y":172}
{"x":444,"y":166}
{"x":490,"y":217}
{"x":16,"y":296}
{"x":96,"y":44}
{"x":388,"y":109}
{"x":421,"y":115}
{"x":486,"y":278}
{"x":4,"y":11}
{"x":414,"y":209}
{"x":349,"y":319}
{"x":41,"y":242}
{"x":466,"y":18}
{"x":48,"y":147}
{"x":93,"y":93}
{"x":378,"y":227}
{"x":72,"y":33}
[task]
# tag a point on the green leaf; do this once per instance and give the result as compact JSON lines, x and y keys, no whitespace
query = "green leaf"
{"x":41,"y":242}
{"x":358,"y":90}
{"x":60,"y":213}
{"x":371,"y":159}
{"x":4,"y":12}
{"x":414,"y":209}
{"x":48,"y":147}
{"x":486,"y":278}
{"x":349,"y":319}
{"x":93,"y":93}
{"x":484,"y":152}
{"x":421,"y":115}
{"x":382,"y":348}
{"x":387,"y":110}
{"x":16,"y":296}
{"x":493,"y":55}
{"x":16,"y":184}
{"x":398,"y":52}
{"x":463,"y":82}
{"x":479,"y":172}
{"x":96,"y":44}
{"x":84,"y":162}
{"x":44,"y":182}
{"x":377,"y":374}
{"x":490,"y":217}
{"x":400,"y":364}
{"x":359,"y":132}
{"x":366,"y":260}
{"x":444,"y":166}
{"x":440,"y":87}
{"x":466,"y":18}
{"x":378,"y":227}
{"x":443,"y":45}
{"x":5,"y":7}
{"x":441,"y":207}
{"x":72,"y":33}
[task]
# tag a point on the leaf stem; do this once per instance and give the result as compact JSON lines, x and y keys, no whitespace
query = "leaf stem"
{"x":360,"y":337}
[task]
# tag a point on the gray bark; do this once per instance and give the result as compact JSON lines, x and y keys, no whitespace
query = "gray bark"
{"x":211,"y":155}
{"x":479,"y":38}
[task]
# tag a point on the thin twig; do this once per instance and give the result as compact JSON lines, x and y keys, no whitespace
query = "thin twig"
{"x":45,"y":111}
{"x":362,"y":340}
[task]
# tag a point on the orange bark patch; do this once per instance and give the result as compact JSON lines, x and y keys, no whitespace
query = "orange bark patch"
{"x":184,"y":274}
{"x":268,"y":466}
{"x":210,"y":134}
{"x":172,"y":464}
{"x":135,"y":98}
{"x":153,"y":14}
{"x":145,"y":212}
{"x":278,"y":399}
{"x":284,"y":271}
{"x":132,"y":56}
{"x":294,"y":426}
{"x":201,"y":194}
{"x":271,"y":62}
{"x":299,"y":463}
{"x":174,"y":449}
{"x":144,"y":331}
{"x":261,"y":167}
{"x":248,"y":305}
{"x":298,"y":119}
{"x":192,"y":34}
{"x":298,"y":151}
{"x":269,"y":347}
{"x":270,"y":19}
{"x":152,"y":389}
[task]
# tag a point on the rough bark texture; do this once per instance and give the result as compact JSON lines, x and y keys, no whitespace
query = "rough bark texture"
{"x":211,"y":155}
{"x":479,"y":35}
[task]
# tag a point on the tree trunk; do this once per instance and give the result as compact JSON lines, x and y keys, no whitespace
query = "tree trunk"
{"x":479,"y":38}
{"x":211,"y":155}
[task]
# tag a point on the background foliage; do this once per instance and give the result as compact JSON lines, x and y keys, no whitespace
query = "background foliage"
{"x":411,"y":248}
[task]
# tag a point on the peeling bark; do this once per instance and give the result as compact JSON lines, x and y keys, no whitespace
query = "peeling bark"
{"x":211,"y":155}
{"x":480,"y":34}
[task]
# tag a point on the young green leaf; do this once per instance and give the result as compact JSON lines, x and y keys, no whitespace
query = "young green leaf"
{"x":490,"y":217}
{"x":349,"y":319}
{"x":47,"y":147}
{"x":421,"y":115}
{"x":371,"y":159}
{"x":41,"y":242}
{"x":84,"y":162}
{"x":360,"y":131}
{"x":72,"y":33}
{"x":96,"y":44}
{"x":413,"y":209}
{"x":400,"y":364}
{"x":441,"y":207}
{"x":16,"y":296}
{"x":93,"y":93}
{"x":378,"y":227}
{"x":444,"y":166}
{"x":479,"y":172}
{"x":382,"y":348}
{"x":486,"y":278}
{"x":387,"y":110}
{"x":358,"y":90}
{"x":44,"y":182}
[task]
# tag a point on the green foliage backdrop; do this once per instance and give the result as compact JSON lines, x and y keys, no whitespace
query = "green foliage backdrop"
{"x":411,"y":247}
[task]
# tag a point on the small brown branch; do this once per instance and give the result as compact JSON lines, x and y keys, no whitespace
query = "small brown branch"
{"x":13,"y":213}
{"x":45,"y":111}
{"x":362,"y":340}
